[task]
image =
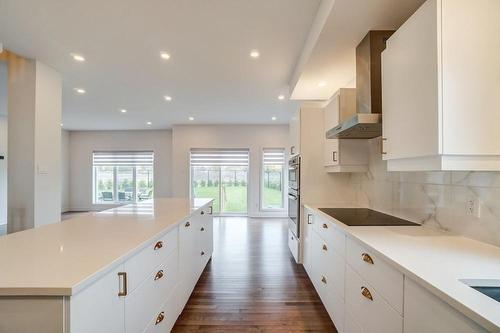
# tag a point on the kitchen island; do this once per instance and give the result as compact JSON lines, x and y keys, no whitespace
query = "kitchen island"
{"x":130,"y":268}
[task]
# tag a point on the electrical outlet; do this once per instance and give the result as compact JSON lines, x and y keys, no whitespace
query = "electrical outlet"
{"x":473,"y":206}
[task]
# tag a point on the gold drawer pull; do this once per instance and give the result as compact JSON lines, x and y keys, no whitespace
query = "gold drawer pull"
{"x":365,"y":292}
{"x":366,"y":258}
{"x":325,"y":226}
{"x":187,"y":224}
{"x":202,"y":229}
{"x":159,"y":275}
{"x":202,"y":253}
{"x":122,"y":277}
{"x":158,"y":245}
{"x":323,"y":279}
{"x":325,"y":248}
{"x":160,"y":318}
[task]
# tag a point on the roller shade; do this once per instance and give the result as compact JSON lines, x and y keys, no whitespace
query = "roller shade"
{"x":273,"y":156}
{"x":223,"y":157}
{"x":123,"y":158}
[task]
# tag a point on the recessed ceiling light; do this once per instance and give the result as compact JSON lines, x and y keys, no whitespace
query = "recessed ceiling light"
{"x":123,"y":111}
{"x":78,"y":57}
{"x":168,"y":98}
{"x":165,"y":55}
{"x":322,"y":84}
{"x":281,"y":97}
{"x":62,"y":124}
{"x":273,"y":118}
{"x":80,"y":91}
{"x":254,"y":54}
{"x":191,"y":118}
{"x":149,"y":123}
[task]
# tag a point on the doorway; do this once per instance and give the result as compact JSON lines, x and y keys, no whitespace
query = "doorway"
{"x":221,"y":174}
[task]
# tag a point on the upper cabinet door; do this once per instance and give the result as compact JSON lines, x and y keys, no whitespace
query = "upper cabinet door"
{"x":410,"y":112}
{"x":440,"y":82}
{"x":294,"y":133}
{"x":331,"y":119}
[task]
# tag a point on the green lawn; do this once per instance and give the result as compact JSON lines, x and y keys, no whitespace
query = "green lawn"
{"x":236,"y":197}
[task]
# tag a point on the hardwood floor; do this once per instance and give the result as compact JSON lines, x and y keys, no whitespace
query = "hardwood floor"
{"x":252,"y":284}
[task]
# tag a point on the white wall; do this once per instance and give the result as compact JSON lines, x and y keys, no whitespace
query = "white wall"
{"x":83,"y":143}
{"x":65,"y":171}
{"x":253,"y":137}
{"x":3,"y":170}
{"x":34,"y":136}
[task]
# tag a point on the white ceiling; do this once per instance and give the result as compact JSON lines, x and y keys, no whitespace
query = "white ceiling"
{"x":333,"y":57}
{"x":210,"y":74}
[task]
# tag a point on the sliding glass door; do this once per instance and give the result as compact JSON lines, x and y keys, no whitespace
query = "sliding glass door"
{"x":221,"y":174}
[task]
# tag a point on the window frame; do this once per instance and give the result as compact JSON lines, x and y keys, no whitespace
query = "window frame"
{"x":115,"y":191}
{"x":283,"y":180}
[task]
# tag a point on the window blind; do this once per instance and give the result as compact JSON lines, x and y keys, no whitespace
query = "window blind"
{"x":273,"y":156}
{"x":123,"y":158}
{"x":222,"y":157}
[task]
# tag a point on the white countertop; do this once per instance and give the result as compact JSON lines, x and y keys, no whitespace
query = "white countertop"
{"x":62,"y":258}
{"x":438,"y":261}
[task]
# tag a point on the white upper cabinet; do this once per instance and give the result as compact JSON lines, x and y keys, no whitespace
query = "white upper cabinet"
{"x":343,"y":155}
{"x":440,"y":86}
{"x":294,"y":132}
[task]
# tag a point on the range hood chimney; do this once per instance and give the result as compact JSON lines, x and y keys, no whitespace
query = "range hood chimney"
{"x":367,"y":123}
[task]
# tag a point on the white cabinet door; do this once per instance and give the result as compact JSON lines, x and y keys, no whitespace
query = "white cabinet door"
{"x":98,"y":308}
{"x":411,"y":113}
{"x":294,"y":133}
{"x":331,"y":119}
{"x":307,"y":241}
{"x":189,"y":258}
{"x":425,"y":312}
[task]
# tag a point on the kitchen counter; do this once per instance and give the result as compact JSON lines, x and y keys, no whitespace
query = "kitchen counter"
{"x":63,"y":258}
{"x":438,"y":261}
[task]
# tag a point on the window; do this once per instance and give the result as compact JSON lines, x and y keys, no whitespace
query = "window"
{"x":221,"y":174}
{"x":273,"y":167}
{"x":122,"y":176}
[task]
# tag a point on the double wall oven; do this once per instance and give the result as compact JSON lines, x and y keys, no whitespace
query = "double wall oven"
{"x":294,"y":195}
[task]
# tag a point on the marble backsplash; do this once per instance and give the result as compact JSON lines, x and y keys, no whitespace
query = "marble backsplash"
{"x":437,"y":199}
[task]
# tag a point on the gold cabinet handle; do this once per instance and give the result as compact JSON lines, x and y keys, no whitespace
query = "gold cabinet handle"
{"x":325,"y":226}
{"x":366,"y":293}
{"x":160,"y":317}
{"x":158,"y":245}
{"x":325,"y":248}
{"x":122,"y":277}
{"x":382,"y":146}
{"x":187,"y":224}
{"x":202,"y":229}
{"x":366,"y":258}
{"x":202,"y":253}
{"x":323,"y":279}
{"x":159,"y":275}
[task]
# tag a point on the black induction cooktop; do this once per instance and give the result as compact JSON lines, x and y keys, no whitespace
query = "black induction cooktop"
{"x":365,"y":217}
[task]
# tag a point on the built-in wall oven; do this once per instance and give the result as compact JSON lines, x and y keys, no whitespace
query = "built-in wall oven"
{"x":294,"y":195}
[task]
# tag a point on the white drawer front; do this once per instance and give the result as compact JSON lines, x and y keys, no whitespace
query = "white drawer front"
{"x":375,"y":315}
{"x":384,"y":278}
{"x":144,"y":301}
{"x":164,"y":318}
{"x":143,"y":263}
{"x":330,"y":233}
{"x":330,"y":264}
{"x":351,"y":326}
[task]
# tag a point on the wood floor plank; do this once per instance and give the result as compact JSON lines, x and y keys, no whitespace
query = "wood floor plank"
{"x":252,"y":284}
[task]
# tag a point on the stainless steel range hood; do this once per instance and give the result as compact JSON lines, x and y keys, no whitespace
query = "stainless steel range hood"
{"x":367,"y":123}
